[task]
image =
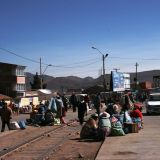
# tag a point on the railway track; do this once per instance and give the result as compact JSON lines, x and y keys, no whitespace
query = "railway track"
{"x":40,"y":146}
{"x":49,"y":142}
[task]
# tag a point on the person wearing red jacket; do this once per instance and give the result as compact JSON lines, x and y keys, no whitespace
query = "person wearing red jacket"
{"x":137,"y":117}
{"x":136,"y":113}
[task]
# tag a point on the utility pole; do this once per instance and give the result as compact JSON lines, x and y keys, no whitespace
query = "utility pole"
{"x":41,"y":86}
{"x":103,"y":60}
{"x":136,"y":80}
{"x":42,"y":73}
{"x":104,"y":80}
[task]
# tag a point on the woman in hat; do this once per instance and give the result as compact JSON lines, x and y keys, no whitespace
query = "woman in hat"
{"x":90,"y":128}
{"x":104,"y":125}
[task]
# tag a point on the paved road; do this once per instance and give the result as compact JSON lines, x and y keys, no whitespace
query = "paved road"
{"x":134,"y":146}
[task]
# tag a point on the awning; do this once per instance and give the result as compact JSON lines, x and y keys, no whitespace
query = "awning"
{"x":45,"y":94}
{"x":5,"y":97}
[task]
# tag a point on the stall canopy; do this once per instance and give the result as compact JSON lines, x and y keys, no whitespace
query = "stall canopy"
{"x":5,"y":97}
{"x":45,"y":94}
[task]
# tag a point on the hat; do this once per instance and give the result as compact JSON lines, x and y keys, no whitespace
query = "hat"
{"x":105,"y":114}
{"x":95,"y":115}
{"x":115,"y":107}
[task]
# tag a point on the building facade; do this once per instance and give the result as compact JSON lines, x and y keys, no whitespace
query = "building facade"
{"x":12,"y":80}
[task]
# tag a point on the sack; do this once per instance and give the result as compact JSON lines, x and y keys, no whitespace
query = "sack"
{"x":120,"y":117}
{"x":116,"y":129}
{"x":57,"y":121}
{"x":22,"y":125}
{"x":14,"y":125}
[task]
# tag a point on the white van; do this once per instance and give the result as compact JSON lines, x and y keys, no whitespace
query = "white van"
{"x":153,"y":103}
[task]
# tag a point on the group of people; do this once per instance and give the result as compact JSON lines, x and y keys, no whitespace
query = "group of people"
{"x":98,"y":125}
{"x":46,"y":113}
{"x":114,"y":120}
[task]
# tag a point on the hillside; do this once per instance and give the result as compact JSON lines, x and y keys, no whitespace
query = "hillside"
{"x":72,"y":82}
{"x":59,"y":83}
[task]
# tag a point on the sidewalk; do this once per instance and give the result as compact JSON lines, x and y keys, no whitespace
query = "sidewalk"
{"x":142,"y":146}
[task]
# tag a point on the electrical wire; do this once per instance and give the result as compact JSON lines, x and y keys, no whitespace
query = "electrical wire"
{"x":58,"y":66}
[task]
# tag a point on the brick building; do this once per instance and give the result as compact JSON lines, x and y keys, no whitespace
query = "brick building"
{"x":12,"y":80}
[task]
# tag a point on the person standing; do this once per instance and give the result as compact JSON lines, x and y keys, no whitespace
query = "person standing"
{"x":61,"y":113}
{"x":73,"y":101}
{"x":65,"y":102}
{"x":97,"y":103}
{"x":6,"y":116}
{"x":82,"y":109}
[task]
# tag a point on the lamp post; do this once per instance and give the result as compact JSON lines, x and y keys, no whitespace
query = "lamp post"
{"x":136,"y":77}
{"x":41,"y":74}
{"x":103,"y":60}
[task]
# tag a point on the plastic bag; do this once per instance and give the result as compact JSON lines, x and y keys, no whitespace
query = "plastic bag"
{"x":52,"y":105}
{"x":127,"y":117}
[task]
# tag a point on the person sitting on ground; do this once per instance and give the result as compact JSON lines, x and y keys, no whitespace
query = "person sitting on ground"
{"x":49,"y":117}
{"x":90,"y":128}
{"x":137,"y":116}
{"x":104,"y":125}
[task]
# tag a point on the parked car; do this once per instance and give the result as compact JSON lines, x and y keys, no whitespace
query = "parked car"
{"x":153,"y":103}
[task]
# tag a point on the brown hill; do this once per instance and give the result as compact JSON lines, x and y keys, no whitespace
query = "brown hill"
{"x":72,"y":82}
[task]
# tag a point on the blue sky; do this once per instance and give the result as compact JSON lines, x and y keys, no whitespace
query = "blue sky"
{"x":62,"y":32}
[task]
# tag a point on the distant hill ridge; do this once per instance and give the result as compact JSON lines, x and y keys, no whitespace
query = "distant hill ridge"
{"x":73,"y":82}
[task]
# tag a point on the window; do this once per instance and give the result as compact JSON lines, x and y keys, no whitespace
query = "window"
{"x":20,"y":72}
{"x":20,"y":87}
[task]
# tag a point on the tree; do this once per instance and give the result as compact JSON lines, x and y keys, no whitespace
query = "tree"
{"x":36,"y":82}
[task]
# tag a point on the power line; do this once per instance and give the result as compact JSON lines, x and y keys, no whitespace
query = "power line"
{"x":19,"y":55}
{"x":58,"y":66}
{"x":147,"y":59}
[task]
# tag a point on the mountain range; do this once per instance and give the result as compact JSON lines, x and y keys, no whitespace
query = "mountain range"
{"x":73,"y":82}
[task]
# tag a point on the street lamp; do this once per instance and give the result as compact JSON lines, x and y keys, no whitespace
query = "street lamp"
{"x":103,"y":60}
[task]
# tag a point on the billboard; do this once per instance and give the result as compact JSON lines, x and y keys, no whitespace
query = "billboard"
{"x":127,"y":81}
{"x":120,"y":81}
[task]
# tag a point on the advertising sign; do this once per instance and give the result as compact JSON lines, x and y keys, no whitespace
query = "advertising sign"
{"x":117,"y":81}
{"x":127,"y":82}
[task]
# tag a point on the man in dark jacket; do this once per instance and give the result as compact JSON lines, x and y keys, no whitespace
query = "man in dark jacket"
{"x":82,"y":109}
{"x":6,"y":116}
{"x":73,"y":101}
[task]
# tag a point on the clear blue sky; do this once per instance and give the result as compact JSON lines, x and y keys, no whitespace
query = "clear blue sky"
{"x":62,"y":33}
